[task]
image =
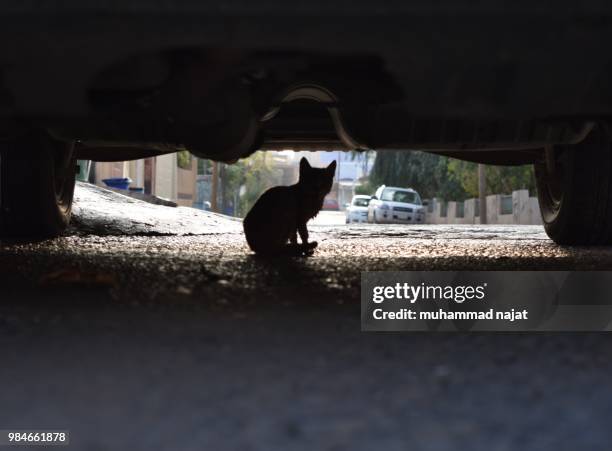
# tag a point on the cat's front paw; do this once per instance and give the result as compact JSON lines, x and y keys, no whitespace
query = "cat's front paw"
{"x":308,"y":248}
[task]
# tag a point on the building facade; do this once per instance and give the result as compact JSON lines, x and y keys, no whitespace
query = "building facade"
{"x":164,"y":176}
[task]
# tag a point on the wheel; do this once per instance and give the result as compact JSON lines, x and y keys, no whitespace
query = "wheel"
{"x":37,"y":178}
{"x":374,"y":221}
{"x":575,"y":190}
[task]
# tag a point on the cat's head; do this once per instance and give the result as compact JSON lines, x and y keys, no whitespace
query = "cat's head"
{"x":317,"y":181}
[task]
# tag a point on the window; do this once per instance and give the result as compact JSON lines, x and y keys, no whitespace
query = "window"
{"x":203,"y":166}
{"x":361,"y":202}
{"x":395,"y":195}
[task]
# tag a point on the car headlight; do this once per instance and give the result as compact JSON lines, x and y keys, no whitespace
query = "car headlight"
{"x":384,"y":207}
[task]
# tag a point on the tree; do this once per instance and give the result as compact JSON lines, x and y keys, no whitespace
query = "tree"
{"x":447,"y":178}
{"x":258,"y":177}
{"x":426,"y":173}
{"x":500,"y":179}
{"x":183,"y":159}
{"x":242,"y":183}
{"x":232,"y":178}
{"x":365,"y":187}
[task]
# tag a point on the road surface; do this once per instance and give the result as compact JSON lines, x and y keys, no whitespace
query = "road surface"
{"x":329,"y":217}
{"x":155,"y":328}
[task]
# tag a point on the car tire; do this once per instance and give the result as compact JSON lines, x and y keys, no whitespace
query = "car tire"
{"x":575,"y":190}
{"x":37,"y":178}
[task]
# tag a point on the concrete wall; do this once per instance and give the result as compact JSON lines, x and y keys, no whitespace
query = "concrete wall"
{"x":525,"y":210}
{"x":186,"y":185}
{"x":107,"y":170}
{"x":120,"y":169}
{"x":136,"y":173}
{"x":166,"y":177}
{"x":169,"y":181}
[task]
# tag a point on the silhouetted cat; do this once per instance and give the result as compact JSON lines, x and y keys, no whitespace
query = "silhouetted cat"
{"x":272,"y":225}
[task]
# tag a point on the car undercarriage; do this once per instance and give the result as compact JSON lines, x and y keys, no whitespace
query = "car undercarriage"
{"x":498,"y":84}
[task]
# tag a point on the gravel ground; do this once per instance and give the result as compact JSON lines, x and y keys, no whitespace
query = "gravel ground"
{"x":155,"y":328}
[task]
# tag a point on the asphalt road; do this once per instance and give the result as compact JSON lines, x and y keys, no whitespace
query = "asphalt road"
{"x":155,"y":328}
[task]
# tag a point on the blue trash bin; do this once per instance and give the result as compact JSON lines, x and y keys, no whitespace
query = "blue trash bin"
{"x":119,"y":183}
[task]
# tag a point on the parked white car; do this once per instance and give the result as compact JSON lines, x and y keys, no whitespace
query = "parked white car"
{"x":357,"y":210}
{"x":393,"y":205}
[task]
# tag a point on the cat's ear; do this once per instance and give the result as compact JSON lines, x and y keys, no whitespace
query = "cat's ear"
{"x":304,"y":165}
{"x":331,"y":169}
